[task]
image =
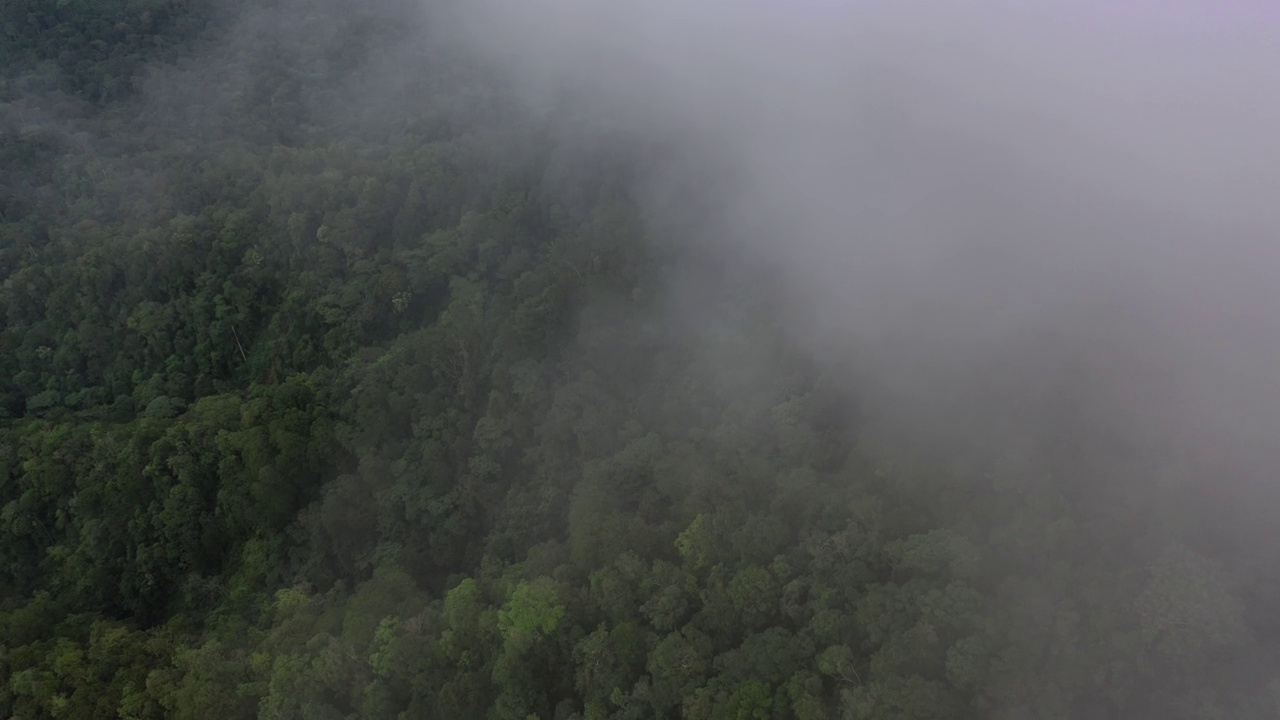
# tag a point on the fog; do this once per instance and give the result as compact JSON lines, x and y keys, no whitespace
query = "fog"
{"x":1003,"y":210}
{"x":966,"y":309}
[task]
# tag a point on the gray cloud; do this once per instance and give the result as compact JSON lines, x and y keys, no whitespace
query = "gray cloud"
{"x":982,"y":198}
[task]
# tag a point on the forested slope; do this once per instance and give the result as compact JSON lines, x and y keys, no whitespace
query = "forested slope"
{"x":318,"y":401}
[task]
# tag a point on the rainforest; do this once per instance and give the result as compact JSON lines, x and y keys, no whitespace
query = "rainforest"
{"x":355,"y":367}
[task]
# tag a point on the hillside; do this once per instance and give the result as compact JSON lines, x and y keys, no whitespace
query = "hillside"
{"x":338,"y":381}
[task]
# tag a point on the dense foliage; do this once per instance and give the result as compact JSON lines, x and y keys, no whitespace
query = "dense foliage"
{"x":318,"y":402}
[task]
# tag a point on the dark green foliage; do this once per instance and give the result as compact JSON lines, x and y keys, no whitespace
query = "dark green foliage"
{"x":332,"y":406}
{"x":99,"y":46}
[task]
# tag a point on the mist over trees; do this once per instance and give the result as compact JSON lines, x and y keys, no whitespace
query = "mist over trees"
{"x":403,"y":359}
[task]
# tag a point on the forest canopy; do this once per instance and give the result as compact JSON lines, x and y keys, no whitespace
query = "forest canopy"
{"x":340,"y":380}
